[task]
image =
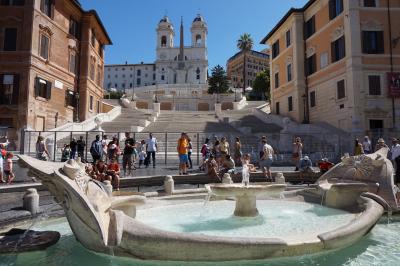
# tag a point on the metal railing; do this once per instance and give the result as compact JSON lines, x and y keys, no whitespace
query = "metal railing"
{"x":316,"y":146}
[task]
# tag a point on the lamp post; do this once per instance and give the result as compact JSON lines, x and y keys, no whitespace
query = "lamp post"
{"x":304,"y":107}
{"x":77,"y":106}
{"x":218,"y":84}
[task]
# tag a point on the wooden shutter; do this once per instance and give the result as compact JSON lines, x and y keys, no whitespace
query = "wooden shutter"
{"x":37,"y":86}
{"x":331,"y":9}
{"x":48,"y":90}
{"x":380,"y":42}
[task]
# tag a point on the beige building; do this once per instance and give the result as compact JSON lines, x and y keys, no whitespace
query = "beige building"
{"x":51,"y":63}
{"x":256,"y":62}
{"x":331,"y":61}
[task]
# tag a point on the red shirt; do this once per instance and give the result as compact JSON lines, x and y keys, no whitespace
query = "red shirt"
{"x":113,"y":167}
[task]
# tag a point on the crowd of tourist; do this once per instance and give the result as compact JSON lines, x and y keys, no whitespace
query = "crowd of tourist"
{"x":218,"y":157}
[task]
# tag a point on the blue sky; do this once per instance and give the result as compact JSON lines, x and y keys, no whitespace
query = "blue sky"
{"x":131,"y":24}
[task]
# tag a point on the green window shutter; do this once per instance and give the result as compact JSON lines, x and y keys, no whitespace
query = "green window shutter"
{"x":37,"y":87}
{"x":48,"y":90}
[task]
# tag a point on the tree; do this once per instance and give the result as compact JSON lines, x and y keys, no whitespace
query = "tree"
{"x":261,"y":84}
{"x":218,"y":82}
{"x":245,"y":43}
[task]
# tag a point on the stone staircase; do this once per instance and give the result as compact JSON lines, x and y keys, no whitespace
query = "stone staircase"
{"x":128,"y":121}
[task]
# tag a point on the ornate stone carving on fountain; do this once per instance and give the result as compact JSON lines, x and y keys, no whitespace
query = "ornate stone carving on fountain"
{"x":372,"y":173}
{"x":95,"y":216}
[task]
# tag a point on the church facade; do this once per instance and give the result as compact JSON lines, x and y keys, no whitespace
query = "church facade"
{"x":184,"y":66}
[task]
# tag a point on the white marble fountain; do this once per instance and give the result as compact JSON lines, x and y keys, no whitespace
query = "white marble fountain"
{"x":103,"y":222}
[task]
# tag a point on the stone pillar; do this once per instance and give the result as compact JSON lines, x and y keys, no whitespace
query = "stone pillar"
{"x":169,"y":185}
{"x":218,"y":109}
{"x":108,"y":187}
{"x":279,"y":178}
{"x":226,"y":179}
{"x":133,"y":105}
{"x":157,"y":107}
{"x":31,"y":201}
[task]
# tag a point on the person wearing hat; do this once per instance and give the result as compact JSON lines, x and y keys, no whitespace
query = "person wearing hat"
{"x":305,"y":164}
{"x":381,"y":144}
{"x":395,"y":157}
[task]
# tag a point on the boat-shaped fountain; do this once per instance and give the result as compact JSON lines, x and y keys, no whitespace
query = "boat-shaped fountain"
{"x":134,"y":226}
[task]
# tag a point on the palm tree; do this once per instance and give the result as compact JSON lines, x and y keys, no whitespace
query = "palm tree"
{"x":244,"y":44}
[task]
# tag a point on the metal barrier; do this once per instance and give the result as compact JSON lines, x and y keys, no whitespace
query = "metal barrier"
{"x":316,"y":146}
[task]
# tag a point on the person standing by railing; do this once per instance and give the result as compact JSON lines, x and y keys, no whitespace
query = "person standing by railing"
{"x":96,"y":149}
{"x":74,"y":146}
{"x":182,"y":148}
{"x":151,"y":149}
{"x":238,"y":152}
{"x":41,"y":149}
{"x":297,"y":152}
{"x":81,"y":144}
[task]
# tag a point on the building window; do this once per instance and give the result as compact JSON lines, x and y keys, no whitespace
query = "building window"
{"x":46,"y":6}
{"x":123,"y":85}
{"x":93,"y":38}
{"x":311,"y":65}
{"x":42,"y":88}
{"x":290,"y":103}
{"x":116,"y":76}
{"x":10,"y":39}
{"x":123,"y":75}
{"x":309,"y":27}
{"x":116,"y":85}
{"x":323,"y":60}
{"x":130,"y":85}
{"x":374,"y":82}
{"x":312,"y":99}
{"x":275,"y":49}
{"x":289,"y":72}
{"x":70,"y":99}
{"x":276,"y":80}
{"x":341,"y":90}
{"x":335,"y":8}
{"x":369,"y":3}
{"x":277,"y":111}
{"x":338,"y":49}
{"x":74,"y":28}
{"x":139,"y":72}
{"x":163,"y":41}
{"x":9,"y":89}
{"x":98,"y":107}
{"x":44,"y":46}
{"x":154,"y":76}
{"x":72,"y":62}
{"x":375,"y":124}
{"x":138,"y":81}
{"x":92,"y":68}
{"x":98,"y":80}
{"x":91,"y":103}
{"x":162,"y":77}
{"x":372,"y":42}
{"x":198,"y":73}
{"x":288,"y":40}
{"x":130,"y":75}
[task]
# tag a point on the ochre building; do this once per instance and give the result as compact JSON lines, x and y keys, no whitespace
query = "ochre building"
{"x":255,"y":63}
{"x":338,"y":61}
{"x":51,"y":63}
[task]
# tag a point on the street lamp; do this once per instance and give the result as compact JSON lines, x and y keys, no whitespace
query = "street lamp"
{"x":77,"y":106}
{"x":304,"y":97}
{"x":218,"y":84}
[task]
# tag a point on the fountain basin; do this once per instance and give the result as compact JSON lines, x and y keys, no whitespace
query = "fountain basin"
{"x":246,"y":195}
{"x":102,"y":222}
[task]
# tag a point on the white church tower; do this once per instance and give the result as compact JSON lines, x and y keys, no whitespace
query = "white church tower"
{"x":183,"y":65}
